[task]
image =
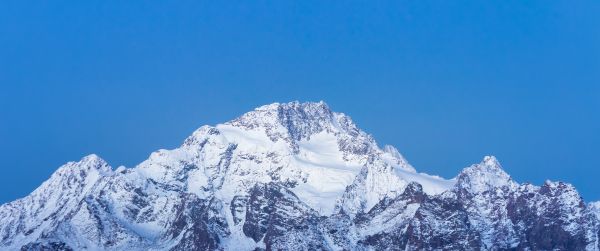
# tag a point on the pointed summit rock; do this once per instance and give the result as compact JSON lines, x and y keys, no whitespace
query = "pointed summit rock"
{"x":485,"y":176}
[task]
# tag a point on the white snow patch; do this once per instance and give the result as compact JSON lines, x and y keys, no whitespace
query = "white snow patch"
{"x":431,"y":184}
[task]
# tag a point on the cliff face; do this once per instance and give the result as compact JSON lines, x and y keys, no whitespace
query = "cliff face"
{"x":292,"y":176}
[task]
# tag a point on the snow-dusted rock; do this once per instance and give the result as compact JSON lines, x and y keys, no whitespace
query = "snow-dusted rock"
{"x":595,"y":209}
{"x":487,"y":210}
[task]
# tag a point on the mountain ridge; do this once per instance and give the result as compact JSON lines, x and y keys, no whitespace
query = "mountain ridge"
{"x":292,"y":176}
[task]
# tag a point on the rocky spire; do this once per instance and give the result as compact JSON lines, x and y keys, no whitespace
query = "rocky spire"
{"x":485,"y":176}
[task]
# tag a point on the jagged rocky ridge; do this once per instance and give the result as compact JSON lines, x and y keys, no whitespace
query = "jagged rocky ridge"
{"x":292,"y":176}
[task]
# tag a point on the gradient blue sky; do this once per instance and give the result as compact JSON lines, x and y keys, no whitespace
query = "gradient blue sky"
{"x":446,"y":82}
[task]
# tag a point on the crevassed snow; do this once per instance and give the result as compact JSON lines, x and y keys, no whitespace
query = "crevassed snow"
{"x":327,"y":173}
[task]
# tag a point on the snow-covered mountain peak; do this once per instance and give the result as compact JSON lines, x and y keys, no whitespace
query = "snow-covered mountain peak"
{"x":291,"y":176}
{"x":312,"y":109}
{"x":91,"y":161}
{"x":199,"y":136}
{"x":88,"y":169}
{"x":96,"y":162}
{"x":485,"y":176}
{"x":308,"y":107}
{"x":491,"y":161}
{"x":305,"y":144}
{"x":89,"y":164}
{"x":299,"y":119}
{"x":294,"y":122}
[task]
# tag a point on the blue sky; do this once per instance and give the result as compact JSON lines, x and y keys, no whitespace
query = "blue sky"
{"x":446,"y":82}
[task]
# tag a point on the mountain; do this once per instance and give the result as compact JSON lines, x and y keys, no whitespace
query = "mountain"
{"x":292,"y":176}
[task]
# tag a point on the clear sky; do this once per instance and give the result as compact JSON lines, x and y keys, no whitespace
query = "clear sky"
{"x":446,"y":82}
